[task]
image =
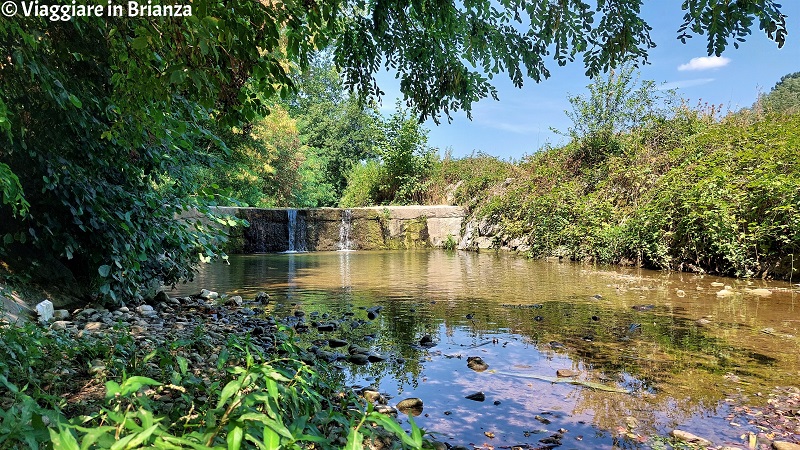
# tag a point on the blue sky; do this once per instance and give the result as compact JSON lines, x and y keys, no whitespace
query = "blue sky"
{"x":519,"y":123}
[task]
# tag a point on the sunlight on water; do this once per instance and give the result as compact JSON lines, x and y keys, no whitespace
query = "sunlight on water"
{"x":679,"y":343}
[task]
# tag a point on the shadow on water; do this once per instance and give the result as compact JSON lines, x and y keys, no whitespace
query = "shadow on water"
{"x":677,"y":346}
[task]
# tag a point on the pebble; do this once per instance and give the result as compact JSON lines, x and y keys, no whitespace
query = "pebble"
{"x":690,"y":438}
{"x":60,"y":325}
{"x":478,"y":397}
{"x":476,"y":363}
{"x":567,"y":373}
{"x":146,"y":310}
{"x":205,"y":294}
{"x":412,"y":404}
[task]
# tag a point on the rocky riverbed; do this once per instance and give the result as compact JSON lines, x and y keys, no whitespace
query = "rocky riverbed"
{"x":206,"y":324}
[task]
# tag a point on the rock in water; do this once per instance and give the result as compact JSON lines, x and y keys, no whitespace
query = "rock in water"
{"x":45,"y":310}
{"x":411,"y":406}
{"x":262,"y":297}
{"x":335,"y":343}
{"x":205,"y":294}
{"x":373,"y":396}
{"x":478,"y":397}
{"x":567,"y":373}
{"x":427,"y":341}
{"x":685,"y":436}
{"x":785,"y":445}
{"x":386,"y":409}
{"x":236,"y":300}
{"x":358,"y":359}
{"x":476,"y":363}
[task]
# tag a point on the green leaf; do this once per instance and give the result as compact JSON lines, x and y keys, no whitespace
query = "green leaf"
{"x":272,"y":439}
{"x":112,"y":389}
{"x":355,"y":440}
{"x":231,"y":388}
{"x":139,"y":42}
{"x":183,"y":364}
{"x":75,"y":101}
{"x":133,"y":384}
{"x":235,"y":438}
{"x":63,"y":439}
{"x":391,"y":425}
{"x":141,"y":438}
{"x":104,"y":270}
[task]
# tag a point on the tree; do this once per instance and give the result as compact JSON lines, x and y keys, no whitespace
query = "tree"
{"x":99,"y":112}
{"x":401,"y":173}
{"x":261,"y":166}
{"x":615,"y":104}
{"x":784,"y":96}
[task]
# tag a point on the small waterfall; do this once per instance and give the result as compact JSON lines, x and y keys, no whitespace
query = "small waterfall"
{"x":344,"y":230}
{"x":296,"y":232}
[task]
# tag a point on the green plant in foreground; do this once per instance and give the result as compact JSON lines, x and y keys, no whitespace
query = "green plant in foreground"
{"x":157,"y":399}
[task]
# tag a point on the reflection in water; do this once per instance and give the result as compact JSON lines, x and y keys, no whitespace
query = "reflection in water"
{"x":667,"y":337}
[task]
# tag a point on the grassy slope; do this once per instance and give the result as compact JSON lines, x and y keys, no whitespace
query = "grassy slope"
{"x":689,"y":194}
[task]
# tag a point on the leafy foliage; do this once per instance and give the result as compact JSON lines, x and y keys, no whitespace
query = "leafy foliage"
{"x":339,"y":131}
{"x":401,"y":174}
{"x":615,"y":104}
{"x":248,"y":399}
{"x":719,"y":197}
{"x":97,"y":115}
{"x":784,"y":96}
{"x":262,"y":166}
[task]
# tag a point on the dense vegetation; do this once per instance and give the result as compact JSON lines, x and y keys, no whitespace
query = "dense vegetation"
{"x":681,"y":189}
{"x":113,"y":127}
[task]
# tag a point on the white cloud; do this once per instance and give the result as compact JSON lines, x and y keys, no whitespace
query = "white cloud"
{"x":684,"y":83}
{"x":705,"y":63}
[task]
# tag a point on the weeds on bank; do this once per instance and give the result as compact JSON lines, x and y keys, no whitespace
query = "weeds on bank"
{"x":158,"y":398}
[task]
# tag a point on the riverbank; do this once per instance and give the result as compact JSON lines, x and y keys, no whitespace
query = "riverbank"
{"x":692,"y":194}
{"x":152,"y":340}
{"x":178,"y":371}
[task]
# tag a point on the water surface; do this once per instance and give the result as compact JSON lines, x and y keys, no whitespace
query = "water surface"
{"x":678,"y":346}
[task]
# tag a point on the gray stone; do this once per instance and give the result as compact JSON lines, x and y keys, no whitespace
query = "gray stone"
{"x":373,"y":396}
{"x":236,"y":300}
{"x":358,"y":359}
{"x":478,"y":397}
{"x":411,"y":405}
{"x":61,"y":314}
{"x":146,"y":310}
{"x":205,"y":294}
{"x":567,"y":373}
{"x":386,"y":409}
{"x":45,"y":310}
{"x":476,"y":363}
{"x":161,"y":297}
{"x":334,"y":343}
{"x":685,"y":436}
{"x":60,"y":325}
{"x":93,"y":326}
{"x":375,"y":357}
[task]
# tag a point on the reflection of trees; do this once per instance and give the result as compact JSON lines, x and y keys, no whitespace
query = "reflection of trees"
{"x":674,"y":364}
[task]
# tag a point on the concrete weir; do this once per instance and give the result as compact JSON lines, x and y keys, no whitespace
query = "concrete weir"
{"x":320,"y":229}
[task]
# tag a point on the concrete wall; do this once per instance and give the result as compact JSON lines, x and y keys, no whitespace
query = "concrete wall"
{"x":319,"y":229}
